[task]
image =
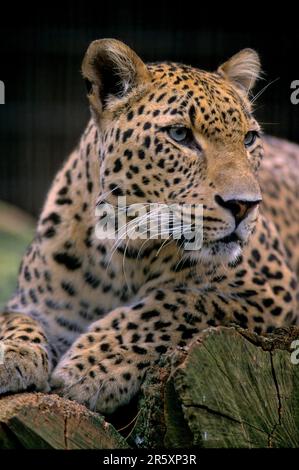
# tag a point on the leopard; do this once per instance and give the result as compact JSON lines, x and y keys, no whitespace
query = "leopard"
{"x":91,"y":315}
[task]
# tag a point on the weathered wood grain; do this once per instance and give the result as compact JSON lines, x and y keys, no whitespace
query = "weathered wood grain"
{"x":232,"y":388}
{"x":39,"y":421}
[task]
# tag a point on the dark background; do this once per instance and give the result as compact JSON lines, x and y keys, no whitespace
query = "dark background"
{"x":41,"y":49}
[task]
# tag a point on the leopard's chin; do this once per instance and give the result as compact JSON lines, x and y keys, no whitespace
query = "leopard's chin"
{"x":218,"y":252}
{"x":223,"y":252}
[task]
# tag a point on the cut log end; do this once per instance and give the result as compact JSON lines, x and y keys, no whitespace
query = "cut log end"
{"x":231,"y":388}
{"x":36,"y":420}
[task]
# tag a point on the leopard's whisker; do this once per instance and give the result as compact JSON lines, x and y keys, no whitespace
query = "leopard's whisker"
{"x":255,"y":97}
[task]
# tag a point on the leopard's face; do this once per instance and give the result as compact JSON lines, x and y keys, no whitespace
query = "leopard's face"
{"x":186,"y":137}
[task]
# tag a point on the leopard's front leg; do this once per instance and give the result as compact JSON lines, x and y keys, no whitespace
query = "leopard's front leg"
{"x":24,"y":356}
{"x":104,"y":367}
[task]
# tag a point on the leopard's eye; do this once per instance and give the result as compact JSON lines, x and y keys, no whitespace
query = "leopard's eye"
{"x":250,"y":138}
{"x":179,"y":133}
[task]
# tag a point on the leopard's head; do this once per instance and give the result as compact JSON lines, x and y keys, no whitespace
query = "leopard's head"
{"x":174,"y":134}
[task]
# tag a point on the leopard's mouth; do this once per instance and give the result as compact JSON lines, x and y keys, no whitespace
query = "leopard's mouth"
{"x":228,"y":245}
{"x":231,"y":238}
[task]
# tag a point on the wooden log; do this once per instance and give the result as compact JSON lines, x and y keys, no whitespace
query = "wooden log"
{"x":40,"y":421}
{"x":231,"y":388}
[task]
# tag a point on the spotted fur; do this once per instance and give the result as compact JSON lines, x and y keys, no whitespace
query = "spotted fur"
{"x":90,"y":319}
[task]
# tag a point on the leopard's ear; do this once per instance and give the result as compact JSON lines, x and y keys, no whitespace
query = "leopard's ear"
{"x":242,"y":69}
{"x":111,"y":69}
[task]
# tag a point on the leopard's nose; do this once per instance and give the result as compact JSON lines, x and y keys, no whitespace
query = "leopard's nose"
{"x":239,"y":208}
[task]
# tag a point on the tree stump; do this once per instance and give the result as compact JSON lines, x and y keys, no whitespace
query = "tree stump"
{"x":230,"y":388}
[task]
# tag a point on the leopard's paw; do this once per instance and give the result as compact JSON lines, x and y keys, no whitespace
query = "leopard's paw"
{"x":100,"y":384}
{"x":23,"y":366}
